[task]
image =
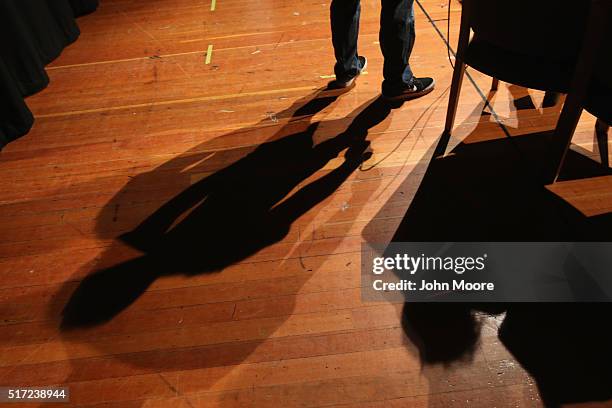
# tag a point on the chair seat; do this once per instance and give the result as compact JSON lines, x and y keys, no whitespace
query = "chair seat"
{"x":519,"y":69}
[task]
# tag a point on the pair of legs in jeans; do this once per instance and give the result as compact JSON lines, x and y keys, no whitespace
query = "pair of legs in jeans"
{"x":396,"y":41}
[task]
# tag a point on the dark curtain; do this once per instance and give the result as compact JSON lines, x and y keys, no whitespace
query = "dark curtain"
{"x":33,"y":33}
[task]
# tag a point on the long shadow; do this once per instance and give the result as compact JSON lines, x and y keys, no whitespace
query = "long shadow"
{"x":179,"y":208}
{"x":492,"y":189}
{"x":224,"y":208}
{"x":229,"y":215}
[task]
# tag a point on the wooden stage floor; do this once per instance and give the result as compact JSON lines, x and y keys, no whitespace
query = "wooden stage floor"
{"x":158,"y":95}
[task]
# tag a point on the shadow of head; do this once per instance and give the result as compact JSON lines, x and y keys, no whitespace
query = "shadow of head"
{"x":232,"y":213}
{"x":442,"y":332}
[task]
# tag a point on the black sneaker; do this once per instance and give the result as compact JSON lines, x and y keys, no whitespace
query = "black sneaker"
{"x":417,"y":88}
{"x":347,"y":82}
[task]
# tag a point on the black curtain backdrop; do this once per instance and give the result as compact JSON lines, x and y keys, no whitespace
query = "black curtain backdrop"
{"x":33,"y":33}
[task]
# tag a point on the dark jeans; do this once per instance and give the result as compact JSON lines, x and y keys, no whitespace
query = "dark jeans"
{"x":396,"y":40}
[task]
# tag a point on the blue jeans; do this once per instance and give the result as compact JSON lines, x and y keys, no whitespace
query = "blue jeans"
{"x":396,"y":40}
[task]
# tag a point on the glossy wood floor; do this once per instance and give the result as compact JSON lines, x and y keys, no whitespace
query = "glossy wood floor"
{"x":157,"y":95}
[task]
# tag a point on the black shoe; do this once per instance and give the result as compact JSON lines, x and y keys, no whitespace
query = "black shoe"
{"x":347,"y":82}
{"x":417,"y":88}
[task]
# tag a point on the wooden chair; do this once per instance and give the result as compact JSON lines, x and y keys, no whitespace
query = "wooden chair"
{"x":544,"y":51}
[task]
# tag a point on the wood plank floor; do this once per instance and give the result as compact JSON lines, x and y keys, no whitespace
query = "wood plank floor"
{"x":156,"y":96}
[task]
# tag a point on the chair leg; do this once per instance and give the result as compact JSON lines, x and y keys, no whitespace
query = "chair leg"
{"x":462,"y":44}
{"x":550,"y":99}
{"x":453,"y":100}
{"x":494,"y":84}
{"x":451,"y":111}
{"x":593,"y":37}
{"x":601,"y":130}
{"x":566,"y":125}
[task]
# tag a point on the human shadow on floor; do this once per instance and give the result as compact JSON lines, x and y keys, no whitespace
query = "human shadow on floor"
{"x":230,"y":214}
{"x":490,"y":189}
{"x":192,"y":318}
